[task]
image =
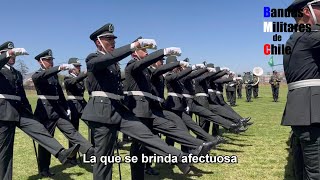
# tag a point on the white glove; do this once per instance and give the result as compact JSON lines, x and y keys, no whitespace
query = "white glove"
{"x":194,"y":67}
{"x":148,"y":43}
{"x":187,"y":109}
{"x":184,"y":63}
{"x":19,"y":51}
{"x":69,"y":113}
{"x":66,"y":67}
{"x":211,"y":69}
{"x":225,"y":68}
{"x":172,"y":51}
{"x":200,"y":66}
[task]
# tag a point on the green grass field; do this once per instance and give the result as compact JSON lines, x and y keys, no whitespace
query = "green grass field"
{"x":262,"y":151}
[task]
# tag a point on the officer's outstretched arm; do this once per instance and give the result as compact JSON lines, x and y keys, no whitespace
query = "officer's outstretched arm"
{"x":147,"y":61}
{"x":99,"y":62}
{"x":73,"y":81}
{"x":165,"y":68}
{"x":177,"y":76}
{"x":45,"y":74}
{"x":196,"y":74}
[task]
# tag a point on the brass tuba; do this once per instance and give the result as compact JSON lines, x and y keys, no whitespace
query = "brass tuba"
{"x":257,"y":71}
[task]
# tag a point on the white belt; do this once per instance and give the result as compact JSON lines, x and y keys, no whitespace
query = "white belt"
{"x":48,"y":97}
{"x":218,"y":92}
{"x":146,"y":94}
{"x":187,"y":95}
{"x":210,"y":90}
{"x":74,"y":97}
{"x":303,"y":83}
{"x":175,"y":94}
{"x":106,"y":94}
{"x":202,"y":94}
{"x":11,"y":97}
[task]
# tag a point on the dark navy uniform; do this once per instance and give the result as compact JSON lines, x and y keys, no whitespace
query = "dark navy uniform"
{"x":75,"y":87}
{"x":255,"y":87}
{"x":105,"y":111}
{"x":302,"y":113}
{"x":231,"y":88}
{"x":138,"y":80}
{"x":239,"y":87}
{"x":248,"y":81}
{"x":217,"y":103}
{"x":176,"y":103}
{"x":17,"y":112}
{"x":275,"y":85}
{"x":51,"y":110}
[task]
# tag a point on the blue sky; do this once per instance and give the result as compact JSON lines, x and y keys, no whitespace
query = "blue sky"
{"x":226,"y":33}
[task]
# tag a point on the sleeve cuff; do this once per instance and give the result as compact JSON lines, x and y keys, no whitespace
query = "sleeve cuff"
{"x":132,"y":47}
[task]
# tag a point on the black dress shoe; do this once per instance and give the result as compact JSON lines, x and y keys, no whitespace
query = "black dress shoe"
{"x":220,"y":140}
{"x":46,"y":174}
{"x":249,"y":123}
{"x":245,"y":122}
{"x":184,"y":167}
{"x":203,"y":149}
{"x":68,"y":153}
{"x":152,"y":171}
{"x":237,"y":128}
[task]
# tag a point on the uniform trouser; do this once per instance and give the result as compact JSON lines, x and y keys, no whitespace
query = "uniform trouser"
{"x":275,"y":92}
{"x":32,"y":128}
{"x":248,"y":93}
{"x":69,"y":131}
{"x":75,"y":116}
{"x":193,"y":126}
{"x":232,"y":98}
{"x":228,"y":95}
{"x":255,"y":90}
{"x":298,"y":168}
{"x":205,"y":125}
{"x":165,"y":125}
{"x":309,"y":137}
{"x":105,"y":137}
{"x":225,"y":112}
{"x":208,"y":115}
{"x":239,"y":92}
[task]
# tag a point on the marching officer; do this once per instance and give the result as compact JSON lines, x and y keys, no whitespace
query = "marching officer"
{"x":105,"y":110}
{"x":275,"y":85}
{"x":301,"y":69}
{"x":248,"y":86}
{"x":74,"y":85}
{"x":255,"y":86}
{"x":16,"y":112}
{"x":231,"y":88}
{"x":52,"y":108}
{"x":138,"y":88}
{"x":239,"y":86}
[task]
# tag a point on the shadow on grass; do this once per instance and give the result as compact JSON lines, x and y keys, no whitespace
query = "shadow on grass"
{"x":235,"y":144}
{"x":233,"y":139}
{"x":166,"y":172}
{"x":229,"y":150}
{"x":57,"y":170}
